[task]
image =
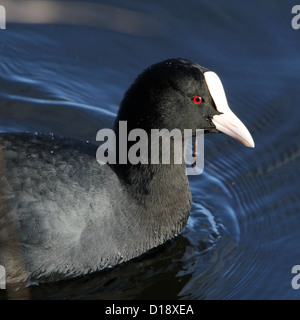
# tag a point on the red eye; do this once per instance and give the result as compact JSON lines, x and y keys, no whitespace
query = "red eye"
{"x":197,"y":99}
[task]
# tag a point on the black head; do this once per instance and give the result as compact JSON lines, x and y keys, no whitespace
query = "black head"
{"x":170,"y":94}
{"x":180,"y":94}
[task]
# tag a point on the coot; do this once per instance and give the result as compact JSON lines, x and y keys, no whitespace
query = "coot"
{"x":64,"y":215}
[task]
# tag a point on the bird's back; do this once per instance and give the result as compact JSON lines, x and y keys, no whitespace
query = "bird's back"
{"x":53,"y":194}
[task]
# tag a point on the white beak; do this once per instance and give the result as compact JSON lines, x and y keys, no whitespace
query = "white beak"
{"x":226,"y":122}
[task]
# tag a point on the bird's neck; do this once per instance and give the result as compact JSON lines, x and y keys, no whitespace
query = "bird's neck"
{"x":163,"y":196}
{"x":153,"y":177}
{"x":162,"y":190}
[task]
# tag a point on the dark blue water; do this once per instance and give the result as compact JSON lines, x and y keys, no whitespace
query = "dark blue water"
{"x":68,"y":76}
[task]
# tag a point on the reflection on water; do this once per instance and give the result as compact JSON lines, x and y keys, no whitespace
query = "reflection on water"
{"x":65,"y":69}
{"x":86,"y":13}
